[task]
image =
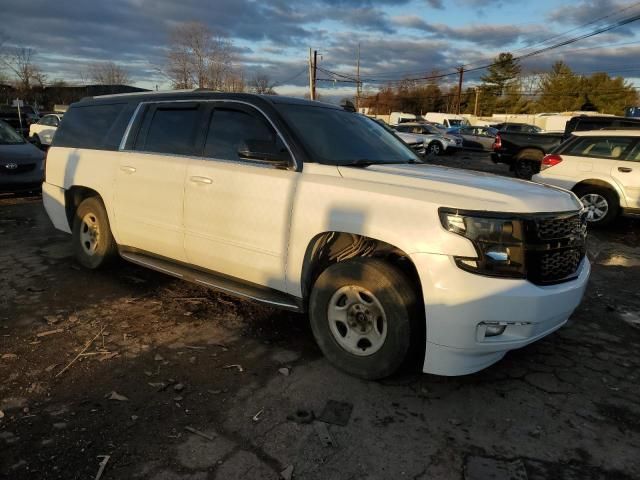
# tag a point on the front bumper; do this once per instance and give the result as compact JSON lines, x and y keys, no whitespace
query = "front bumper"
{"x":30,"y":180}
{"x":458,"y":303}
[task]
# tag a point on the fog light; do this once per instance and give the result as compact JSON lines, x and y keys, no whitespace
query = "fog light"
{"x":494,"y":330}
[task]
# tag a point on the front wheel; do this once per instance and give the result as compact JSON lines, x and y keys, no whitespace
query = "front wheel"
{"x":602,"y":204}
{"x":93,"y":243}
{"x":364,"y":317}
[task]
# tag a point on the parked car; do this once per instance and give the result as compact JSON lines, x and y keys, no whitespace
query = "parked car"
{"x":517,"y":127}
{"x":43,"y":130}
{"x":523,"y":152}
{"x":602,"y":168}
{"x":435,"y":141}
{"x":475,"y":138}
{"x":308,"y":207}
{"x":415,"y":142}
{"x":21,"y":164}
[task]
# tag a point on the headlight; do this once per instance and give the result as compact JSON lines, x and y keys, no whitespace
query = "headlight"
{"x":499,"y":242}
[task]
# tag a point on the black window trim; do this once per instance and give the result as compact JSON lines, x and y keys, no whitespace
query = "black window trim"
{"x":125,"y":146}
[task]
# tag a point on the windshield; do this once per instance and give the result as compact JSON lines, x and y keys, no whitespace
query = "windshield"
{"x":8,"y":136}
{"x":456,"y":123}
{"x":337,"y":137}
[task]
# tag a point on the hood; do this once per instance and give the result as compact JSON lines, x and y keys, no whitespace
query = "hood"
{"x":21,"y":153}
{"x":467,"y":189}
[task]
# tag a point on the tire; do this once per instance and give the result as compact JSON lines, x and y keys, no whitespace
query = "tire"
{"x":435,"y":148}
{"x":36,"y":141}
{"x":381,"y":325}
{"x":93,"y":243}
{"x":525,"y":169}
{"x":602,"y":204}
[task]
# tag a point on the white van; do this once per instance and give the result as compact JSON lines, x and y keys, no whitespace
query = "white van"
{"x":447,"y":119}
{"x":396,"y":118}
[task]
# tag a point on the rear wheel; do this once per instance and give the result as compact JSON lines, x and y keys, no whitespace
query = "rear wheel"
{"x":601,"y":203}
{"x":364,"y":317}
{"x":93,"y":243}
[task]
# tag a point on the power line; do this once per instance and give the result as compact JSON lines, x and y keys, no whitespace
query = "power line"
{"x":598,"y":31}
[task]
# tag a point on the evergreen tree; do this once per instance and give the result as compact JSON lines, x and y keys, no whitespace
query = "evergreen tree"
{"x":500,"y":86}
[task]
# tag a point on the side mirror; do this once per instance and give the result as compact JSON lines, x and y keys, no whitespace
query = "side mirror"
{"x":265,"y":151}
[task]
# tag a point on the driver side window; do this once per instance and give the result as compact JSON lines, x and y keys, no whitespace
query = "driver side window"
{"x":232,"y":130}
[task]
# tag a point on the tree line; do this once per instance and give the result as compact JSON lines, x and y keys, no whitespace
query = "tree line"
{"x":504,"y":89}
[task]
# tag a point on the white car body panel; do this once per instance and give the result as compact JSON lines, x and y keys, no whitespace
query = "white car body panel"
{"x":238,"y":224}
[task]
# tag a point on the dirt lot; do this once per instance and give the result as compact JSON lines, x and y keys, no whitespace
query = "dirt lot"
{"x":177,"y":382}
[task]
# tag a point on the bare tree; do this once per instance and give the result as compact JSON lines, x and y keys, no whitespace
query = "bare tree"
{"x":109,"y":73}
{"x":261,"y":83}
{"x":20,"y":62}
{"x":199,"y":58}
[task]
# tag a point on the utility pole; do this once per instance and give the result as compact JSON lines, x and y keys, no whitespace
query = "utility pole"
{"x":461,"y":73}
{"x":358,"y":84}
{"x":315,"y":72}
{"x":475,"y":108}
{"x":311,"y":69}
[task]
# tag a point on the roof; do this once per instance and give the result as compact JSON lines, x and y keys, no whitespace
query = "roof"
{"x":202,"y":94}
{"x":628,"y":132}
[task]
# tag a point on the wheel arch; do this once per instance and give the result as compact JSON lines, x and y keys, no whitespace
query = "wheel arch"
{"x":330,"y":247}
{"x":74,"y":196}
{"x":522,"y":154}
{"x":596,"y":182}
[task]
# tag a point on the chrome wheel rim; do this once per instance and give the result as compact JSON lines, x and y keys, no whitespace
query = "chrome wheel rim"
{"x":596,"y":205}
{"x":435,"y":148}
{"x":357,"y":320}
{"x":89,"y":233}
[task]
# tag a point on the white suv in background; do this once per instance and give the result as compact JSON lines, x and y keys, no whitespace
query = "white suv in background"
{"x":309,"y":207}
{"x":602,"y":167}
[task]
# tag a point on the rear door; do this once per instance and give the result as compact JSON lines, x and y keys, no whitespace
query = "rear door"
{"x":237,"y":211}
{"x":150,"y":181}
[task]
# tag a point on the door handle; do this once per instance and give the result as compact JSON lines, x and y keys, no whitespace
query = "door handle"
{"x":625,"y":169}
{"x":205,"y":180}
{"x":127,"y":169}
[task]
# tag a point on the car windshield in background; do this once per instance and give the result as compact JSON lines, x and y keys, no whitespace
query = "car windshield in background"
{"x":8,"y":136}
{"x":337,"y":137}
{"x":455,"y":122}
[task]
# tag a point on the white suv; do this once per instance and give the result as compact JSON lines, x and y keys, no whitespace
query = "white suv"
{"x":602,"y":167}
{"x":309,"y":207}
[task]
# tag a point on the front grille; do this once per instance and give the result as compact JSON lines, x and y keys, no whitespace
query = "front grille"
{"x":555,"y":247}
{"x":22,"y":168}
{"x":560,"y":264}
{"x":554,"y":228}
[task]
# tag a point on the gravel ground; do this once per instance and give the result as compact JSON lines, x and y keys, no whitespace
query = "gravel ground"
{"x":177,"y":382}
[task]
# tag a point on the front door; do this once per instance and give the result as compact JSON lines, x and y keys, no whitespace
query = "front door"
{"x":237,"y":210}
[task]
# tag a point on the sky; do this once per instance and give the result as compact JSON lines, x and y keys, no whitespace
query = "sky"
{"x":397,"y":38}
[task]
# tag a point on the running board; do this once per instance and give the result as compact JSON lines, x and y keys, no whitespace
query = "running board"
{"x":216,"y":281}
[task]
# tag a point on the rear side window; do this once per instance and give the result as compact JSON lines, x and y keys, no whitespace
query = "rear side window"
{"x":601,"y":147}
{"x":170,"y":129}
{"x":88,"y":126}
